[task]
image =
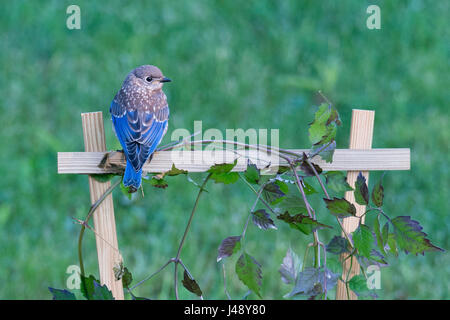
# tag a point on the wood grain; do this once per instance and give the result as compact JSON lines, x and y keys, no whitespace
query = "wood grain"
{"x":361,"y":133}
{"x":104,"y":222}
{"x":200,"y":161}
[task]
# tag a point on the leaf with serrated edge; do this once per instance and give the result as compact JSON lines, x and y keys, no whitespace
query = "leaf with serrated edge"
{"x":340,"y":207}
{"x":175,"y":171}
{"x":358,"y":284}
{"x":361,"y":191}
{"x":290,"y":267}
{"x":379,"y":236}
{"x":252,"y":174}
{"x":311,"y":282}
{"x":326,"y":150}
{"x":302,"y":223}
{"x":262,"y":220}
{"x":363,"y":240}
{"x":337,"y":181}
{"x":272,"y":193}
{"x":229,"y":246}
{"x":61,"y":294}
{"x":409,"y":236}
{"x":292,"y":204}
{"x":337,"y":245}
{"x":222,"y":167}
{"x":158,"y":183}
{"x":248,"y":271}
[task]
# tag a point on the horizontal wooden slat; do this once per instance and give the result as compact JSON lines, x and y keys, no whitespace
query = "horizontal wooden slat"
{"x":200,"y":161}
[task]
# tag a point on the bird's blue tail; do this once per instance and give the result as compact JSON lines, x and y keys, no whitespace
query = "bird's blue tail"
{"x":131,"y":178}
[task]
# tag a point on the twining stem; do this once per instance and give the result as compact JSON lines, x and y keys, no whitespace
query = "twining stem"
{"x":86,"y":220}
{"x":258,"y":195}
{"x":153,"y":274}
{"x":177,"y":258}
{"x":308,"y":208}
{"x":225,"y":282}
{"x":256,"y":192}
{"x":348,"y":275}
{"x":281,"y":152}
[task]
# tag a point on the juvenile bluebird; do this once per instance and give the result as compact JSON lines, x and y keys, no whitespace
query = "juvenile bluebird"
{"x":139,"y":113}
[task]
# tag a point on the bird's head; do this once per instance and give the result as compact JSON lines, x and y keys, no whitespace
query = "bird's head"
{"x":149,"y":76}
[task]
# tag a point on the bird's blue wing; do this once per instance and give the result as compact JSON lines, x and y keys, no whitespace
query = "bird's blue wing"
{"x":139,"y":133}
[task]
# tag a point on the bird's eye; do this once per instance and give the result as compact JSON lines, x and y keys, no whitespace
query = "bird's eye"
{"x":149,"y":79}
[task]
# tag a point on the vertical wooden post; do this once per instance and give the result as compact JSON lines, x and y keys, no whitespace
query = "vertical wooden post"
{"x":104,"y":222}
{"x":361,"y":134}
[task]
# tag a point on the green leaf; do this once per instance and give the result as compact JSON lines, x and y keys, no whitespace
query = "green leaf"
{"x":322,"y":131}
{"x":385,"y":233}
{"x":318,"y":128}
{"x":358,"y":284}
{"x":104,"y":177}
{"x":363,"y":240}
{"x":252,"y":174}
{"x":272,"y":192}
{"x":392,"y":244}
{"x":121,"y":272}
{"x":326,"y":151}
{"x":222,"y":167}
{"x":191,"y":285}
{"x":283,"y":186}
{"x":323,"y":114}
{"x":311,"y":282}
{"x":316,"y":132}
{"x":262,"y":220}
{"x":302,"y":223}
{"x":290,"y":267}
{"x":92,"y":290}
{"x":409,"y":236}
{"x":340,"y":207}
{"x":248,"y":271}
{"x":174,"y":171}
{"x":221,"y":173}
{"x":379,"y":236}
{"x":334,"y":264}
{"x":378,"y":194}
{"x":229,"y":246}
{"x":361,"y":191}
{"x":225,"y":178}
{"x":291,"y":203}
{"x":158,"y":183}
{"x":60,"y":294}
{"x":337,"y":181}
{"x":337,"y":245}
{"x":127,"y":278}
{"x":308,"y":188}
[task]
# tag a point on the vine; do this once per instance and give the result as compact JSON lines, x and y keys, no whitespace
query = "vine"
{"x":368,"y":245}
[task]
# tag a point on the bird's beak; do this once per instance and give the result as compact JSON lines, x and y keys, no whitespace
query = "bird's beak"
{"x":165,"y":80}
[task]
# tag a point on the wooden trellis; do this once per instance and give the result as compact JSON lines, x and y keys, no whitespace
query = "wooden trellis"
{"x":359,"y":157}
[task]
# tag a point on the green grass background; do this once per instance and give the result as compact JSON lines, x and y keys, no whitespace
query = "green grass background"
{"x":248,"y":64}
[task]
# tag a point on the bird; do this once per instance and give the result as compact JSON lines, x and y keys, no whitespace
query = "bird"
{"x":140,"y":114}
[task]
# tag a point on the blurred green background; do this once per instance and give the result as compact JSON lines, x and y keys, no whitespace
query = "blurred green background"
{"x":248,"y":64}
